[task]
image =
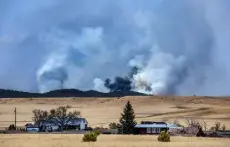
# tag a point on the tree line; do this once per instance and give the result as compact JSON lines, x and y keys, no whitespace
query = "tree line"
{"x":60,"y":116}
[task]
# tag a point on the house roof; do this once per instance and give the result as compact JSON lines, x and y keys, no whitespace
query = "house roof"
{"x":77,"y":121}
{"x":33,"y":127}
{"x":172,"y":126}
{"x":151,"y":126}
{"x":30,"y":125}
{"x":152,"y":122}
{"x":82,"y":119}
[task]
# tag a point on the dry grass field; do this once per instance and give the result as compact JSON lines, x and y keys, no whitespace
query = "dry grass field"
{"x":102,"y":111}
{"x":35,"y":140}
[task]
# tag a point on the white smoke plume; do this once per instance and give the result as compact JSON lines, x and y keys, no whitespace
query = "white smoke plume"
{"x":180,"y":47}
{"x":99,"y":85}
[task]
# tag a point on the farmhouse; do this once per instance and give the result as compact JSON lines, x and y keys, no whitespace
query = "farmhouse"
{"x":49,"y":126}
{"x":73,"y":124}
{"x":147,"y":127}
{"x":52,"y":125}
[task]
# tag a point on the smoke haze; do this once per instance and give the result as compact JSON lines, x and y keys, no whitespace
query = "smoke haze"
{"x":180,"y":47}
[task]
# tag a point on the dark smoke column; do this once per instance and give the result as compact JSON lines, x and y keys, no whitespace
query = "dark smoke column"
{"x":121,"y":83}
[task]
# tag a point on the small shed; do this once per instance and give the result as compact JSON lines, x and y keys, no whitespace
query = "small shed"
{"x":151,"y":128}
{"x":31,"y":128}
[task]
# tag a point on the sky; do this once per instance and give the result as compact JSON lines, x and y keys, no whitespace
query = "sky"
{"x":181,"y":47}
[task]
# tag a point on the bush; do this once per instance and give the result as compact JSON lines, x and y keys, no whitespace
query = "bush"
{"x":68,"y":106}
{"x":91,"y":137}
{"x":217,"y":126}
{"x":164,"y":137}
{"x":88,"y":129}
{"x":224,"y":128}
{"x":97,"y":132}
{"x":113,"y":125}
{"x":2,"y":132}
{"x":12,"y":127}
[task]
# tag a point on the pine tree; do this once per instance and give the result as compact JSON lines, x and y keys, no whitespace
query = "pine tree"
{"x":127,"y":120}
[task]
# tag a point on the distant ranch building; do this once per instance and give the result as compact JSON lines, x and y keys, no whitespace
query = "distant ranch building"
{"x":74,"y":124}
{"x":151,"y":128}
{"x":31,"y":128}
{"x":51,"y":125}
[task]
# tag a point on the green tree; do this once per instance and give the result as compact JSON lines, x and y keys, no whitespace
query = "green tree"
{"x":62,"y":117}
{"x":113,"y":125}
{"x":12,"y":127}
{"x":127,"y":120}
{"x":40,"y":116}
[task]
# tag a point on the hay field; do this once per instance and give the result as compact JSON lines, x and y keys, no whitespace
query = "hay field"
{"x":102,"y":111}
{"x":61,"y":140}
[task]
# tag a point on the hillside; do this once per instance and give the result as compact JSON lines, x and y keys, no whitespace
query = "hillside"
{"x":66,"y":93}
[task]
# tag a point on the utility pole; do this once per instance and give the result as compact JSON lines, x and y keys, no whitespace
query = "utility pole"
{"x":15,"y":118}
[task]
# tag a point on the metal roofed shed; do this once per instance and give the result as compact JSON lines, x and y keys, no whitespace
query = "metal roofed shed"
{"x":152,"y":122}
{"x":151,"y":127}
{"x":174,"y":126}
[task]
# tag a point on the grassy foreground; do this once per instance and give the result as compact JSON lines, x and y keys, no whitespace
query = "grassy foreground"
{"x":64,"y":140}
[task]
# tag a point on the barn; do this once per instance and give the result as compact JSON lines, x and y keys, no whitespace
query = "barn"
{"x":151,"y":127}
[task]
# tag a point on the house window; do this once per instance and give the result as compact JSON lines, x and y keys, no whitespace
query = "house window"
{"x":155,"y":130}
{"x":148,"y":130}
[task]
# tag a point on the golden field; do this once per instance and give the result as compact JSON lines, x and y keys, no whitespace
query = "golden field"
{"x":64,"y":140}
{"x":102,"y":111}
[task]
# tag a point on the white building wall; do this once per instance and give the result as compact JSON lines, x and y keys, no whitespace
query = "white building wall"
{"x":82,"y":125}
{"x":54,"y":128}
